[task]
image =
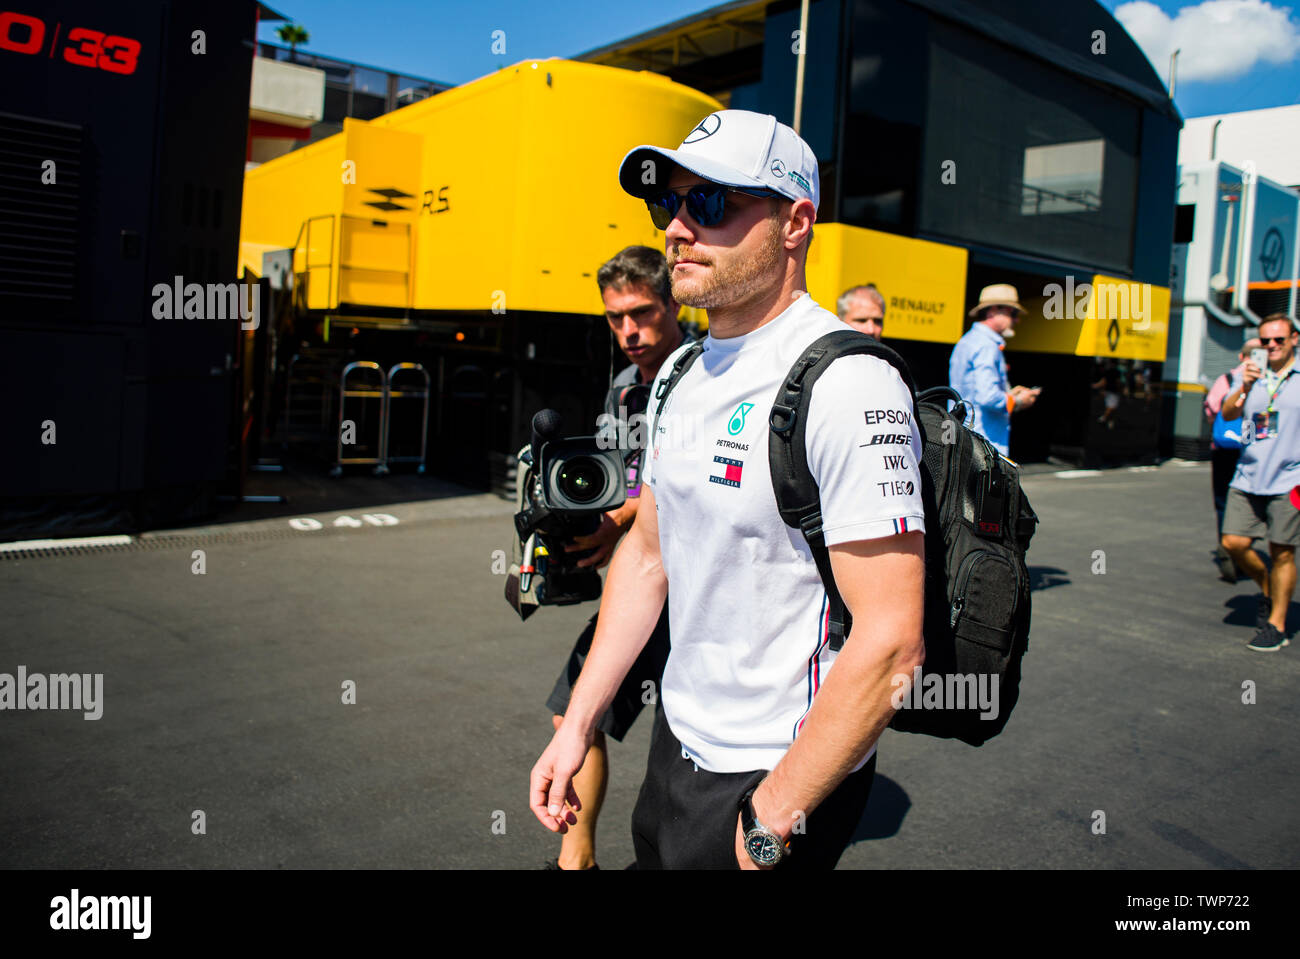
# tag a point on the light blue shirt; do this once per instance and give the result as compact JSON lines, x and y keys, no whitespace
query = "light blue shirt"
{"x":978,"y":372}
{"x":1270,"y":467}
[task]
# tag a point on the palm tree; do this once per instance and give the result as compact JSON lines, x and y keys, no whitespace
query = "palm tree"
{"x":293,"y":35}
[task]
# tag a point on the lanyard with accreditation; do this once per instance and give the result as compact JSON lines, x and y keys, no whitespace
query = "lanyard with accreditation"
{"x":1265,"y":423}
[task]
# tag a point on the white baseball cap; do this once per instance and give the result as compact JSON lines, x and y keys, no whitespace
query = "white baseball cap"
{"x":732,"y":147}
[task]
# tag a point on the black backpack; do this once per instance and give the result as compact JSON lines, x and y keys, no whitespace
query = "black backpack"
{"x":978,"y":526}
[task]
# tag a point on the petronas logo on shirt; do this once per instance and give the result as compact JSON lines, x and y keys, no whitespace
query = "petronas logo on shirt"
{"x":737,"y":421}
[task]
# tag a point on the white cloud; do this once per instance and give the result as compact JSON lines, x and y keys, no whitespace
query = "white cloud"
{"x":1219,"y":39}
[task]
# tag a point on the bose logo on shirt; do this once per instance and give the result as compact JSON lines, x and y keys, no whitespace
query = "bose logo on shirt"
{"x":890,"y":439}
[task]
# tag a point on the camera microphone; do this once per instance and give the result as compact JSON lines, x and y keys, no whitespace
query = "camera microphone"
{"x":546,"y":427}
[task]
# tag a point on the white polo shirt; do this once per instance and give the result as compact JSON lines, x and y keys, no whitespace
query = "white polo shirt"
{"x":747,"y":610}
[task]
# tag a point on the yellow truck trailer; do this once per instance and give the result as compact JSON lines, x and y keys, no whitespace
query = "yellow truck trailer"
{"x":463,"y":232}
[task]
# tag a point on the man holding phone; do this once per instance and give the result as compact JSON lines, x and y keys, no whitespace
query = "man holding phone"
{"x":1259,"y":497}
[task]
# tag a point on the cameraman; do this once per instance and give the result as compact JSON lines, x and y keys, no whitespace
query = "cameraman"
{"x":643,"y":316}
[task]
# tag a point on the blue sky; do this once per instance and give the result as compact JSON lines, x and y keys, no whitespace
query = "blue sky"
{"x":1236,"y":54}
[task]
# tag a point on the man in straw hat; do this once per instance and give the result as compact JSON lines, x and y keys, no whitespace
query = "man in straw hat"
{"x":978,"y":372}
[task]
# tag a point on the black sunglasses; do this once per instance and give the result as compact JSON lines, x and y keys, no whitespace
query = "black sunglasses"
{"x":706,"y":203}
{"x":1279,"y":340}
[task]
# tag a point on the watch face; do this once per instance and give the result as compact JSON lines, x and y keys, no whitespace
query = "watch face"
{"x":764,"y":848}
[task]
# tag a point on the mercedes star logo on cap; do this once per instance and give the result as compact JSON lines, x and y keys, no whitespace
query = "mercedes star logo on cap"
{"x":707,"y":127}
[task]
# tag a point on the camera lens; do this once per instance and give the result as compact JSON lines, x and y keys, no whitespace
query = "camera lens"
{"x":582,"y":480}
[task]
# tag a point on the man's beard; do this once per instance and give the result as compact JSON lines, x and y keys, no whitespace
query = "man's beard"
{"x":733,"y":281}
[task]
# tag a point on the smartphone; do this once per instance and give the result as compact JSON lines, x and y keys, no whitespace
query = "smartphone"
{"x":1260,"y":359}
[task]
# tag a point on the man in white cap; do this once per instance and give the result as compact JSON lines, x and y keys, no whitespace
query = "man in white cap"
{"x":978,"y":371}
{"x":762,"y":753}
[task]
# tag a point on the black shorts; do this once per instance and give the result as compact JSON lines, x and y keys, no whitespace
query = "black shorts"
{"x":686,"y":817}
{"x":633,"y":695}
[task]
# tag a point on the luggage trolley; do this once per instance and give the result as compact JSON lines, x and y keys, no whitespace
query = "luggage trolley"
{"x":364,"y":370}
{"x":404,"y":395}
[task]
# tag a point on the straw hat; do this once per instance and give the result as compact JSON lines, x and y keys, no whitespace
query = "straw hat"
{"x":999,"y":294}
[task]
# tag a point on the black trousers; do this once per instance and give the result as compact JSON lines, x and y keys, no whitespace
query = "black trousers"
{"x":1223,"y":464}
{"x":685,"y":818}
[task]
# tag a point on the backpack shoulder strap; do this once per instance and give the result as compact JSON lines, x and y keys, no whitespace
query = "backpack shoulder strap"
{"x":680,"y":366}
{"x":797,"y":496}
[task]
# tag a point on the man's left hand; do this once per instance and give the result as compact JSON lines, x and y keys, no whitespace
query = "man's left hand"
{"x":742,"y":857}
{"x":612,"y":525}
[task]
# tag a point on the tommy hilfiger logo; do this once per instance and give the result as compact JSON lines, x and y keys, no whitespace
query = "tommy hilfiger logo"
{"x":730,"y":471}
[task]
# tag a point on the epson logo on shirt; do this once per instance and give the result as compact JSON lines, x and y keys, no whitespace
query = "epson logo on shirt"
{"x":899,"y":417}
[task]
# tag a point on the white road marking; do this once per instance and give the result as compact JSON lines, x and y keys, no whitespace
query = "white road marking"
{"x":122,"y":540}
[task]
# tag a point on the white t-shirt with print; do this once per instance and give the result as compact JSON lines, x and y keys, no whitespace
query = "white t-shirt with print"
{"x":747,"y":610}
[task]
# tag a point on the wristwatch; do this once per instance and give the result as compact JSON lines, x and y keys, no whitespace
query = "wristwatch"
{"x":765,"y":847}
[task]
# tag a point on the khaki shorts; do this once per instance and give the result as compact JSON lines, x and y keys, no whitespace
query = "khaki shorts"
{"x":1273,"y":518}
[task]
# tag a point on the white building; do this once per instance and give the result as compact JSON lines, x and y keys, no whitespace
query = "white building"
{"x":1268,"y":138}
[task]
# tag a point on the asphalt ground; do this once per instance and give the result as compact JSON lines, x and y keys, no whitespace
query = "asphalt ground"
{"x":223,"y":693}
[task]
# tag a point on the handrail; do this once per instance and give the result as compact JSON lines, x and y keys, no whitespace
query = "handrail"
{"x":1295,"y":271}
{"x":1227,"y":319}
{"x":1241,"y":290}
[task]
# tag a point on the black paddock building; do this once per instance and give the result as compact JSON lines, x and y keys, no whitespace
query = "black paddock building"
{"x":122,"y":136}
{"x":1028,"y":143}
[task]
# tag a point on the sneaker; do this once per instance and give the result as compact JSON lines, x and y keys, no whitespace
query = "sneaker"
{"x":1268,"y":639}
{"x":555,"y":864}
{"x":1263,"y":610}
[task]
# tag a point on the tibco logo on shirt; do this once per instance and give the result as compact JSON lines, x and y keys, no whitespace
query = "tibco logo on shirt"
{"x":896,"y":488}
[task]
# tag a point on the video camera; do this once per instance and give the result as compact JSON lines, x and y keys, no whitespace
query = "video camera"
{"x":562,"y":488}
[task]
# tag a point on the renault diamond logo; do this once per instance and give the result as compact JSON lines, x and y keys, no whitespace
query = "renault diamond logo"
{"x":390,"y":194}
